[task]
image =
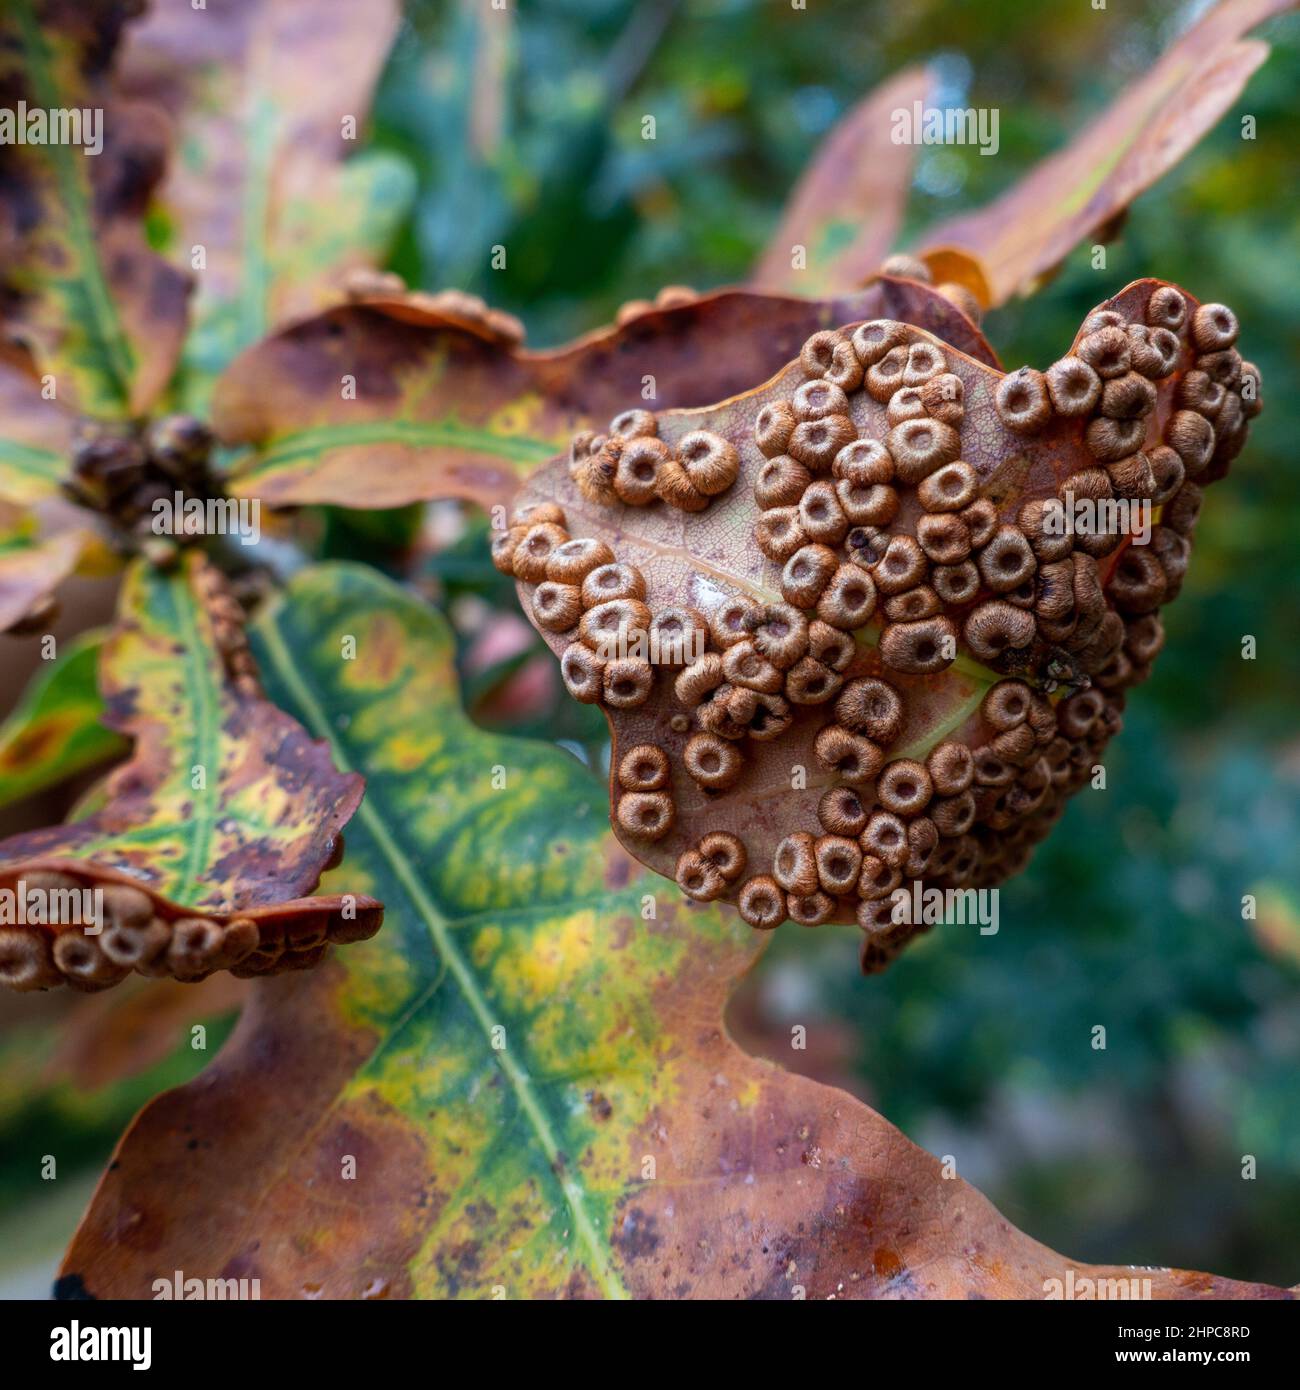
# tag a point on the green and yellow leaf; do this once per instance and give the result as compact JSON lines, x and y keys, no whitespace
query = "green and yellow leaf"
{"x":55,"y":731}
{"x":103,"y":315}
{"x":268,"y":100}
{"x":226,"y":803}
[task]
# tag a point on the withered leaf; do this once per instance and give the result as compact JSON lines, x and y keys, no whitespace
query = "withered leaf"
{"x":1109,"y":629}
{"x":1142,"y":134}
{"x":444,"y":408}
{"x":849,"y":202}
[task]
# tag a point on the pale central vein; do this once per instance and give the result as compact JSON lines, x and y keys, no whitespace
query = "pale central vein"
{"x":205,"y":744}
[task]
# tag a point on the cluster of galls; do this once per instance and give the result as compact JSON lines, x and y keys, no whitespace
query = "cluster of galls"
{"x":899,"y":530}
{"x":961,"y":817}
{"x":582,"y":589}
{"x":122,"y":469}
{"x":632,"y":464}
{"x":135,"y":936}
{"x":1026,"y":596}
{"x":584,"y":592}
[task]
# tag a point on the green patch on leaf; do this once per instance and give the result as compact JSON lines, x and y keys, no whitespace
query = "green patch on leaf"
{"x":28,"y":472}
{"x":491,"y":855}
{"x":55,"y":730}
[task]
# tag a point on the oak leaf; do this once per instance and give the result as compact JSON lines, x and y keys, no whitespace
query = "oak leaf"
{"x":1022,"y":236}
{"x":227,"y":812}
{"x":444,"y":407}
{"x":522,"y":1087}
{"x":699,"y":561}
{"x":266,"y":97}
{"x":101,"y":311}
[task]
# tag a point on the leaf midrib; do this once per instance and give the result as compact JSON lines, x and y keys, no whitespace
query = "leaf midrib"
{"x":439,"y":930}
{"x":204,"y":744}
{"x":317,"y":439}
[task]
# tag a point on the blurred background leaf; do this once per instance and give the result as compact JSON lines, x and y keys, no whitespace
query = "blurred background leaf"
{"x":55,"y":730}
